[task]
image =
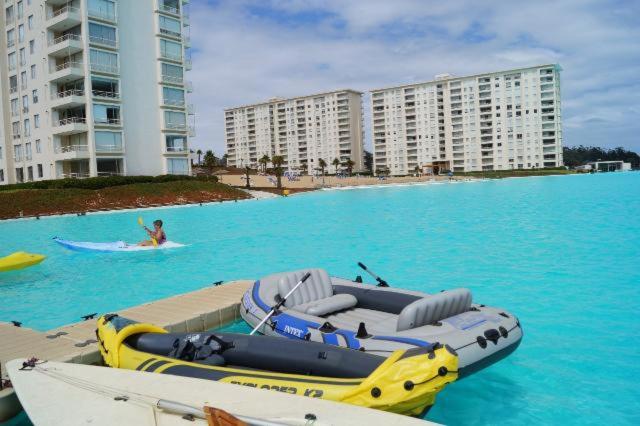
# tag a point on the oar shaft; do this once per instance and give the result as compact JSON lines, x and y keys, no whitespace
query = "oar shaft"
{"x":381,"y":282}
{"x":280,"y":303}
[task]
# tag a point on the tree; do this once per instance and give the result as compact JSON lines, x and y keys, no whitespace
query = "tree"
{"x":247,"y":183}
{"x":382,"y":171}
{"x":209,"y":160}
{"x":348,"y":164}
{"x":304,"y":167}
{"x":336,"y":163}
{"x":322,"y":164}
{"x":199,"y":152}
{"x":264,"y":161}
{"x":579,"y":155}
{"x":223,"y":161}
{"x":417,"y":170}
{"x":368,"y":161}
{"x":277,"y":161}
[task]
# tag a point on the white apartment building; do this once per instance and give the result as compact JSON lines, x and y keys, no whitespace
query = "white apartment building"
{"x":495,"y":121}
{"x":93,"y":88}
{"x":303,"y":130}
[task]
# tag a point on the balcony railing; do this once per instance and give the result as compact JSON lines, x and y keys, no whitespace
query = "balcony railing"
{"x":105,"y":94}
{"x":176,"y":149}
{"x":168,"y":9}
{"x":104,"y":41}
{"x":73,"y":175}
{"x":70,"y":120}
{"x":108,"y":121}
{"x":171,"y":56}
{"x":170,"y":33}
{"x":110,"y":174}
{"x":105,"y":68}
{"x":66,"y":9}
{"x":65,"y":65}
{"x":176,"y":126}
{"x":11,"y":43}
{"x":62,"y":149}
{"x":67,"y":93}
{"x":64,"y":38}
{"x":109,"y":148}
{"x":174,"y":102}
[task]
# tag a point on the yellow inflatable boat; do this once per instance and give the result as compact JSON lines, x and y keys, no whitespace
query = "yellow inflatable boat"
{"x":19,"y":260}
{"x":406,"y":382}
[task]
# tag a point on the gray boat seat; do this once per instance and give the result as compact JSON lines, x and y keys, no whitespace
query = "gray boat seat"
{"x":315,"y":296}
{"x":434,"y":308}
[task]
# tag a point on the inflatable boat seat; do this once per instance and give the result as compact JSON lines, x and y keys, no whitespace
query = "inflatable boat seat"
{"x":315,"y":296}
{"x":434,"y":308}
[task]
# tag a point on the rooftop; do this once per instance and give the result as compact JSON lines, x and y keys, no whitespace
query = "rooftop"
{"x":279,"y":99}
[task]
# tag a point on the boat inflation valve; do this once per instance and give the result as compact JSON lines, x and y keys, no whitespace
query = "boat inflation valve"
{"x":442,"y":371}
{"x":376,"y":392}
{"x":482,"y":342}
{"x":362,"y":332}
{"x":503,"y":332}
{"x":327,"y":328}
{"x":493,"y":335}
{"x":408,"y":385}
{"x":359,"y":279}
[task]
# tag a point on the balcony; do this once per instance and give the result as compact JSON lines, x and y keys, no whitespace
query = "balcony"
{"x":71,"y":152}
{"x":172,"y":79}
{"x":70,"y":126}
{"x":176,"y":126}
{"x":67,"y":99}
{"x":108,"y":122}
{"x":110,"y":149}
{"x":63,"y":18}
{"x":188,"y":65}
{"x":176,"y":150}
{"x":175,"y":103}
{"x":169,"y":33}
{"x":166,"y":8}
{"x":105,"y":69}
{"x":171,"y":56}
{"x":66,"y":72}
{"x":65,"y":45}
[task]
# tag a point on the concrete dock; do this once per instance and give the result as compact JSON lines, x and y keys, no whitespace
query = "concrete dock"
{"x":199,"y":310}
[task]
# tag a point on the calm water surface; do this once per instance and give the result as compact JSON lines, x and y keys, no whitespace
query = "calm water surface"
{"x":562,"y":253}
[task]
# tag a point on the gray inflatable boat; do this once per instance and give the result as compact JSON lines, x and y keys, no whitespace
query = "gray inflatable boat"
{"x":380,"y":320}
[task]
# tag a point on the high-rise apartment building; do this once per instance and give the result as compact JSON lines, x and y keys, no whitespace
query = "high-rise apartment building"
{"x":494,"y":121}
{"x":93,"y":88}
{"x":303,"y":130}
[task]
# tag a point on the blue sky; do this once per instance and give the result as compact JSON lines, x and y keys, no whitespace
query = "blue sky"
{"x":249,"y":51}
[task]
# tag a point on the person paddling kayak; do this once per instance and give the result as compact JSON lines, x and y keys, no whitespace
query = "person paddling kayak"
{"x":156,"y":234}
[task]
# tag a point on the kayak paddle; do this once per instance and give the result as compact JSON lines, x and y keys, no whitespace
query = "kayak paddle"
{"x":141,"y":223}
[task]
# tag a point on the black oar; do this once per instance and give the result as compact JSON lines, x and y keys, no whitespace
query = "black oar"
{"x":381,"y":282}
{"x":281,"y":302}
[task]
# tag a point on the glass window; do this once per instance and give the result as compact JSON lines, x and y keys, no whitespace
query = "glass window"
{"x":108,"y":141}
{"x":32,"y":47}
{"x":170,"y":49}
{"x":33,"y":72}
{"x":177,"y":166}
{"x":11,"y":37}
{"x":40,"y":174}
{"x":104,"y":61}
{"x":169,"y":26}
{"x":14,"y":107}
{"x":175,"y":143}
{"x":173,"y":96}
{"x":9,"y":14}
{"x":103,"y":8}
{"x":38,"y":147}
{"x":172,"y":73}
{"x":27,"y":150}
{"x":12,"y":61}
{"x":106,"y":114}
{"x":20,"y":33}
{"x":102,"y":34}
{"x":1,"y":171}
{"x":15,"y":127}
{"x":34,"y":95}
{"x":36,"y":121}
{"x":30,"y":173}
{"x":23,"y":79}
{"x":30,"y":22}
{"x":175,"y":120}
{"x":25,"y":103}
{"x":27,"y":128}
{"x":104,"y":87}
{"x":20,"y":9}
{"x":19,"y":174}
{"x":17,"y":152}
{"x":23,"y":57}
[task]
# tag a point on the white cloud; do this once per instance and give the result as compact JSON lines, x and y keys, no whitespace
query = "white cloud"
{"x":245,"y":52}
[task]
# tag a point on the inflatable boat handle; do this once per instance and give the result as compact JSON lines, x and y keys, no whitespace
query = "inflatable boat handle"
{"x":381,"y":282}
{"x":280,"y":302}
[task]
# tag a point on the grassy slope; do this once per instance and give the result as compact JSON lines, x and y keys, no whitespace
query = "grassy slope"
{"x":33,"y":202}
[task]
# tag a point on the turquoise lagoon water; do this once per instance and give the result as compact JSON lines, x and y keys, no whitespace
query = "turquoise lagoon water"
{"x":562,"y":253}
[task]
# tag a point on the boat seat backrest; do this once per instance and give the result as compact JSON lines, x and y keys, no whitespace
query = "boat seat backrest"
{"x":434,"y":308}
{"x":317,"y":286}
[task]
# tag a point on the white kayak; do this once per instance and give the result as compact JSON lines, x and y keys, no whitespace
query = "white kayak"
{"x":113,"y":246}
{"x":54,"y":393}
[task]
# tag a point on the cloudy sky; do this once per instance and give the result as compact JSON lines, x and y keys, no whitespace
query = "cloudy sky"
{"x":250,"y":51}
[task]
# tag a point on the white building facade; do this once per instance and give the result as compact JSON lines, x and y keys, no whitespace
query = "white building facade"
{"x":303,"y":130}
{"x":93,"y":88}
{"x":495,"y":121}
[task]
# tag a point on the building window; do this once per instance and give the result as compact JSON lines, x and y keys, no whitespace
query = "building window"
{"x":106,"y":114}
{"x":108,"y":141}
{"x":175,"y":143}
{"x":170,"y":50}
{"x":36,"y":121}
{"x":20,"y":10}
{"x":38,"y":146}
{"x":27,"y":150}
{"x":23,"y":79}
{"x":12,"y":61}
{"x":102,"y":34}
{"x":169,"y":26}
{"x":172,"y":73}
{"x":104,"y":87}
{"x":19,"y":174}
{"x":0,"y":153}
{"x":11,"y":38}
{"x":8,"y":13}
{"x":1,"y":175}
{"x":173,"y":96}
{"x":30,"y":173}
{"x":27,"y":128}
{"x":20,"y":33}
{"x":175,"y":120}
{"x":33,"y":72}
{"x":177,"y":166}
{"x":25,"y":103}
{"x":23,"y":57}
{"x":40,"y":174}
{"x":34,"y":94}
{"x":17,"y":152}
{"x":14,"y":107}
{"x":103,"y":61}
{"x":102,"y":8}
{"x":32,"y":47}
{"x":30,"y":22}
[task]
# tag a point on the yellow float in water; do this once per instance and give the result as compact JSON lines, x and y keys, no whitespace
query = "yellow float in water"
{"x":19,"y":260}
{"x":406,"y":382}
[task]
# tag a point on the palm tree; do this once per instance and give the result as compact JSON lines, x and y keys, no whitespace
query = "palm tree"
{"x":417,"y":170}
{"x":264,"y":161}
{"x":336,"y":163}
{"x":348,"y":164}
{"x":322,"y":164}
{"x":247,"y":169}
{"x":304,"y":167}
{"x":199,"y":152}
{"x":209,"y":160}
{"x":277,"y":161}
